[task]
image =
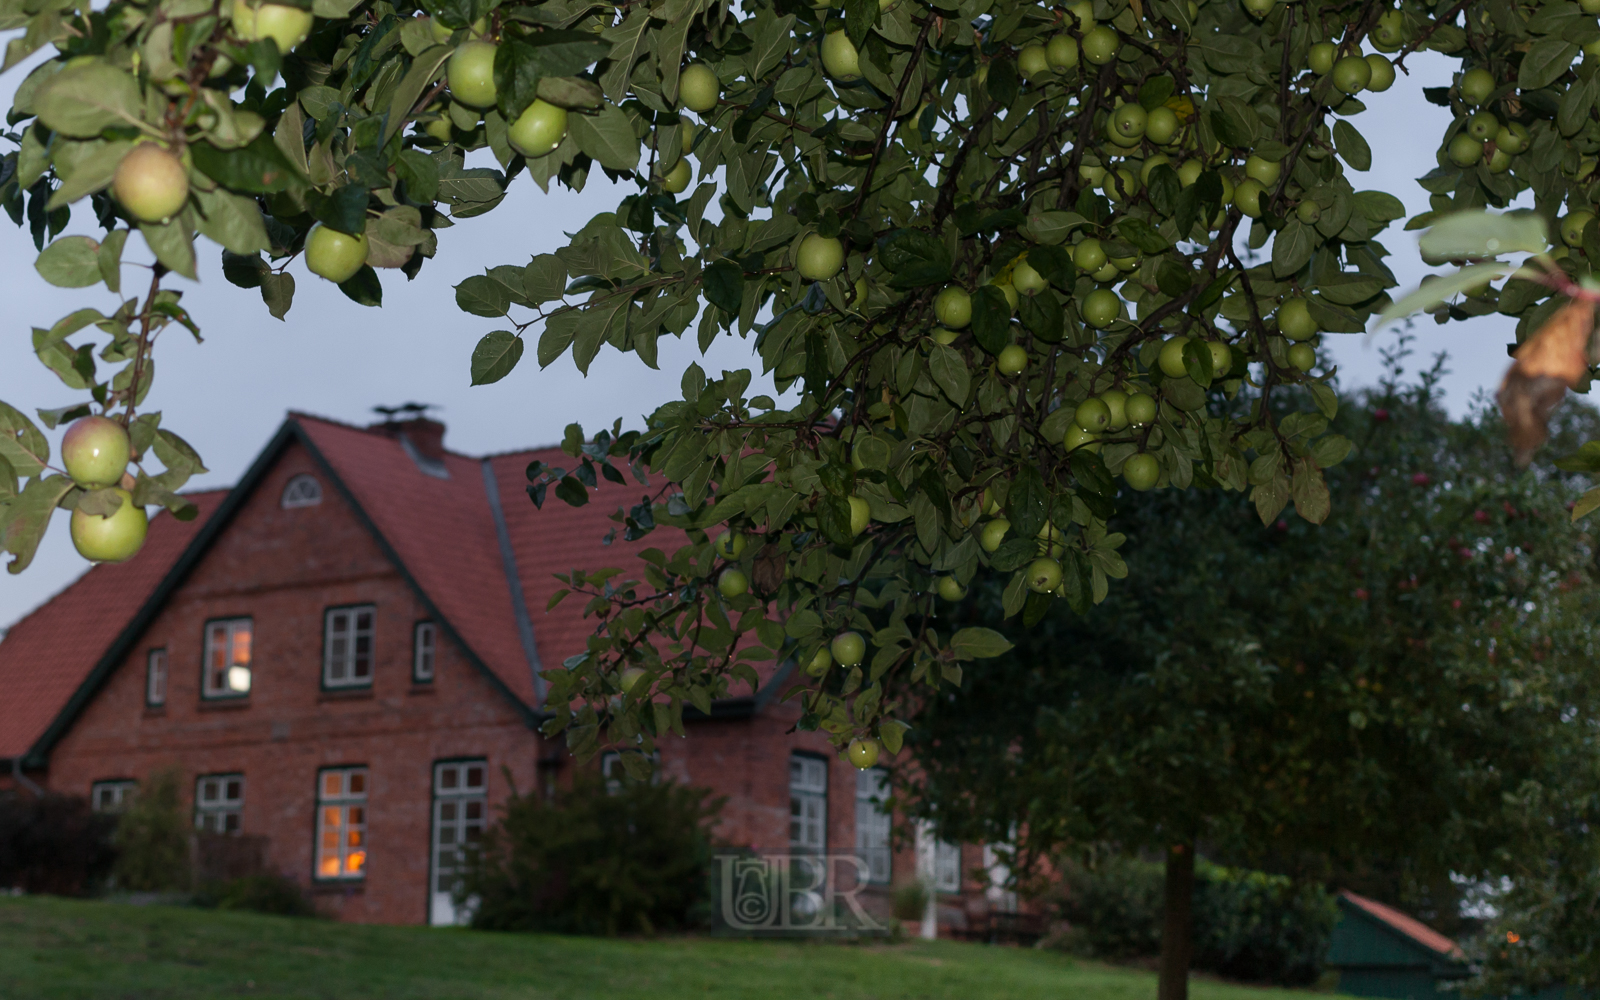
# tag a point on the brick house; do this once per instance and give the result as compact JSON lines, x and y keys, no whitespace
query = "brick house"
{"x":342,"y":655}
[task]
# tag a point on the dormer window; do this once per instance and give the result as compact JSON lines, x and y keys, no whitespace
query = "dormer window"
{"x":302,"y":491}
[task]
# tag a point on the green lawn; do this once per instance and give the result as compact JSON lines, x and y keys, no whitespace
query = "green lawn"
{"x":55,"y":948}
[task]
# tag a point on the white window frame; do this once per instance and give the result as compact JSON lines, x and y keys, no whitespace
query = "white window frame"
{"x":808,"y":804}
{"x":341,"y":824}
{"x":424,"y":652}
{"x":155,"y":678}
{"x":874,"y":825}
{"x":460,"y":815}
{"x":112,"y":796}
{"x":342,"y":656}
{"x":218,"y":661}
{"x":946,"y":866}
{"x":219,"y":802}
{"x":301,"y":491}
{"x":1002,"y":897}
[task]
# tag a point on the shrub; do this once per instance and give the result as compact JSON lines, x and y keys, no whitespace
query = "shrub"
{"x":152,"y":837}
{"x":910,"y":901}
{"x":589,"y":862}
{"x":263,"y":892}
{"x":1248,"y":925}
{"x":53,"y":843}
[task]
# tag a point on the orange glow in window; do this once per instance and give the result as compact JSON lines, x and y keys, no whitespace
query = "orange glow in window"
{"x":355,"y":862}
{"x":241,"y":647}
{"x":330,"y":865}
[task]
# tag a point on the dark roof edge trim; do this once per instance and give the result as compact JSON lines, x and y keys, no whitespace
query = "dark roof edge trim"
{"x":508,"y":563}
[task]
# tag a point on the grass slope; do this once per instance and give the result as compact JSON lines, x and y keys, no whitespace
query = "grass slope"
{"x":61,"y":949}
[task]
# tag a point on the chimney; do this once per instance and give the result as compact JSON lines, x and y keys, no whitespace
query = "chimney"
{"x":427,"y":436}
{"x":422,"y":438}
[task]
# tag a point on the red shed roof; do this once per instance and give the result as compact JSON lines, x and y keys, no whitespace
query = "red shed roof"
{"x":46,"y":656}
{"x":1412,"y":928}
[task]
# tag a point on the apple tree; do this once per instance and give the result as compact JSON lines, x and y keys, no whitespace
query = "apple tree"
{"x":1009,"y":263}
{"x":1402,"y":687}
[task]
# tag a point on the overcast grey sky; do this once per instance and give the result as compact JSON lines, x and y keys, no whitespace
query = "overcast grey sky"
{"x":338,"y":359}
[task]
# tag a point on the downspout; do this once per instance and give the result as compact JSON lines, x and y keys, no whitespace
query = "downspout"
{"x":23,"y":779}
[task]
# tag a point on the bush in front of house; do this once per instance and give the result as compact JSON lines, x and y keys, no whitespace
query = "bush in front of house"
{"x":634,"y":859}
{"x":53,"y":844}
{"x":1248,"y":925}
{"x":152,"y":837}
{"x":260,"y":892}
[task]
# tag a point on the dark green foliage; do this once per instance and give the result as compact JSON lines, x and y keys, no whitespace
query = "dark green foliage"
{"x":589,"y":862}
{"x":54,"y":844}
{"x":1249,"y":925}
{"x":152,"y":837}
{"x":264,"y":892}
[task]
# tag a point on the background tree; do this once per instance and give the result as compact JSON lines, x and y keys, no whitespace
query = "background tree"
{"x":1395,"y":690}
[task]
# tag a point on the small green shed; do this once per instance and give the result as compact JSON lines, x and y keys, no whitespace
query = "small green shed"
{"x":1380,"y":952}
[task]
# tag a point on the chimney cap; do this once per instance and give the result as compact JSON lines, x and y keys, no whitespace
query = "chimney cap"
{"x":405,"y":411}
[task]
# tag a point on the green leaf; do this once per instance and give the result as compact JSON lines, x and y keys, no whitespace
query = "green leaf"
{"x":259,"y":168}
{"x":84,"y":100}
{"x":1586,"y":504}
{"x":1140,"y":234}
{"x":916,"y":258}
{"x":949,"y":371}
{"x":494,"y":357}
{"x":891,"y":733}
{"x":991,"y":319}
{"x":723,"y":282}
{"x":608,"y":137}
{"x":177,"y":454}
{"x":173,"y":244}
{"x":27,"y":517}
{"x":425,"y":68}
{"x":1585,"y":459}
{"x":1545,"y":62}
{"x":1054,"y":227}
{"x":109,"y":258}
{"x":1235,"y":122}
{"x":544,"y":279}
{"x":345,"y":209}
{"x":8,"y":483}
{"x":1485,"y":234}
{"x":979,"y":644}
{"x":277,"y":291}
{"x":481,"y":295}
{"x":1292,"y":248}
{"x":365,"y":288}
{"x":70,"y":262}
{"x":22,"y":445}
{"x":1028,"y":503}
{"x":1352,"y":148}
{"x":1440,"y":290}
{"x":232,"y":220}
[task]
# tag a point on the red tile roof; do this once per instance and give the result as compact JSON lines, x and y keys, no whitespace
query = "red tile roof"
{"x":1412,"y":928}
{"x":48,"y":654}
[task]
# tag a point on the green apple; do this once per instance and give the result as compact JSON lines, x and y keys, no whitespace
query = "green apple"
{"x":860,"y":515}
{"x":1107,"y":273}
{"x":1513,"y":138}
{"x":1171,"y":359}
{"x":1120,"y":184}
{"x":862,"y":753}
{"x":1076,"y":437}
{"x":993,"y":534}
{"x":1308,"y":212}
{"x":819,"y":258}
{"x":1100,"y":45}
{"x":730,"y":545}
{"x":95,"y":451}
{"x":1351,"y":74}
{"x":1158,"y":160}
{"x":1247,"y":197}
{"x":1259,"y":8}
{"x":733,"y":583}
{"x":151,"y":183}
{"x":111,"y":539}
{"x":1303,"y":356}
{"x":1382,"y":73}
{"x":1025,"y":279}
{"x":1263,"y":170}
{"x":1117,"y":405}
{"x":440,"y":31}
{"x":1083,"y":13}
{"x":1013,"y":360}
{"x":1294,"y":319}
{"x":686,"y":130}
{"x":540,"y":129}
{"x":440,"y":129}
{"x":1033,"y":62}
{"x":1009,"y":291}
{"x":1221,"y":358}
{"x":1499,"y":161}
{"x":840,"y":58}
{"x":1141,"y":409}
{"x":1062,"y":51}
{"x":471,"y":74}
{"x":951,"y":589}
{"x":848,"y":648}
{"x":1572,"y":226}
{"x":820,"y":663}
{"x":1390,"y":31}
{"x":1141,"y":471}
{"x":1161,"y":125}
{"x":944,"y":337}
{"x":1589,"y":6}
{"x":698,"y":88}
{"x":1190,"y":172}
{"x":334,"y":255}
{"x":1128,"y":122}
{"x":1483,"y":126}
{"x":1089,"y":256}
{"x":1464,"y":150}
{"x":678,"y":178}
{"x":952,"y":307}
{"x":1101,"y":308}
{"x":1320,"y":58}
{"x":287,"y":26}
{"x":1092,"y":415}
{"x":630,"y":678}
{"x":1044,"y":575}
{"x":1476,"y":86}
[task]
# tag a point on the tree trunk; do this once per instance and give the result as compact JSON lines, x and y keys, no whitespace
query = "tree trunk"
{"x":1177,"y":928}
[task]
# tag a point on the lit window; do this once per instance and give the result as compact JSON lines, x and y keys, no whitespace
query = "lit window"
{"x":302,"y":491}
{"x":227,"y":647}
{"x":873,"y":823}
{"x":347,"y":647}
{"x":111,"y":796}
{"x":424,"y":646}
{"x":219,"y":802}
{"x":342,"y":823}
{"x":808,"y":804}
{"x":155,"y":677}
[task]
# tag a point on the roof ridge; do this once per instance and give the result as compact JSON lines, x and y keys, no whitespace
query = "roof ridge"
{"x":303,"y":415}
{"x":522,"y":451}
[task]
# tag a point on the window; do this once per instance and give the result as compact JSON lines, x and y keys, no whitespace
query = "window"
{"x":1002,"y":898}
{"x":112,"y":796}
{"x":808,"y":804}
{"x":301,"y":491}
{"x":342,"y":823}
{"x":219,"y":802}
{"x":424,"y":645}
{"x":460,"y":810}
{"x":873,"y":823}
{"x":347,"y":647}
{"x":947,"y":867}
{"x":227,"y":658}
{"x":155,"y":678}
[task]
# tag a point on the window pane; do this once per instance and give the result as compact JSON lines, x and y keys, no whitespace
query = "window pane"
{"x":474,"y":777}
{"x":241,"y":644}
{"x":358,"y":783}
{"x":448,"y":777}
